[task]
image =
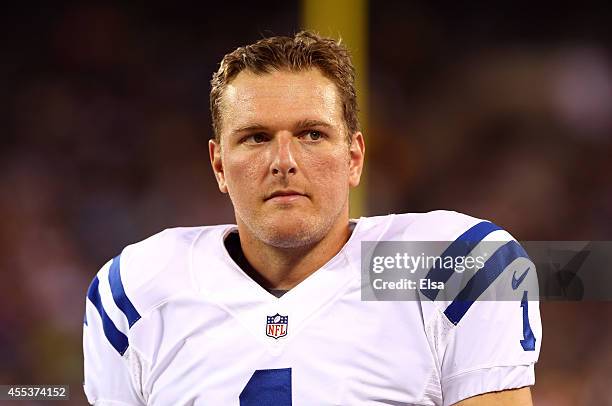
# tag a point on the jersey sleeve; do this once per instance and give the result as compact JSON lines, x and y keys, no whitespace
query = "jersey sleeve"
{"x":488,"y":352}
{"x":493,"y":325}
{"x":112,"y":370}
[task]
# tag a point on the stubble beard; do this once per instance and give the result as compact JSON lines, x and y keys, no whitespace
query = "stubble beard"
{"x":303,"y":233}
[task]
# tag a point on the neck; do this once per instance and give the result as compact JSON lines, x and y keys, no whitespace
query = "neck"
{"x":284,"y":268}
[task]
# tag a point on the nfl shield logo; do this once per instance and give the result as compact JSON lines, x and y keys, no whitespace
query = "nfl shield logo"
{"x":276,"y":326}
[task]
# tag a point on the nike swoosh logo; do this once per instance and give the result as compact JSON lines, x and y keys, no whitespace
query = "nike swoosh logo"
{"x":516,"y":282}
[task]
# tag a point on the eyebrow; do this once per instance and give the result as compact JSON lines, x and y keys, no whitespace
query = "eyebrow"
{"x":249,"y":128}
{"x":299,"y":125}
{"x":312,"y":123}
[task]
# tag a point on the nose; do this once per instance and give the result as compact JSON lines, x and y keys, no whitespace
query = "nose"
{"x":283,"y":161}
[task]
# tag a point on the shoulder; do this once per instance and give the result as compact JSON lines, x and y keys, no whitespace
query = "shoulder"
{"x":148,"y":273}
{"x":159,"y":258}
{"x":468,"y":258}
{"x":438,"y":225}
{"x":480,"y":305}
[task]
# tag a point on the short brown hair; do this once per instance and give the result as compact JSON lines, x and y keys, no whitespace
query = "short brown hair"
{"x":303,"y":51}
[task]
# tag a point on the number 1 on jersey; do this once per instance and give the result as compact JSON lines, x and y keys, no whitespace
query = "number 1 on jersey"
{"x":268,"y":387}
{"x":528,"y":341}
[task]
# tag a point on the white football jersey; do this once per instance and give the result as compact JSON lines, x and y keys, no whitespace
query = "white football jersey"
{"x":174,"y":321}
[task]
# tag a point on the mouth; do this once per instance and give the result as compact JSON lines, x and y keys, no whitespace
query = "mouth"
{"x":284,"y":196}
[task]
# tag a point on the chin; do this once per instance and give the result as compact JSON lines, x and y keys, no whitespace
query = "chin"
{"x":289,"y":229}
{"x":291,"y":233}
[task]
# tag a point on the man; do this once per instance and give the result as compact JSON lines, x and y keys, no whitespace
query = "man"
{"x":269,"y":311}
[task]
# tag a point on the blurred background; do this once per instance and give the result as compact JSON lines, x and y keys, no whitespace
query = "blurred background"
{"x":502,"y":110}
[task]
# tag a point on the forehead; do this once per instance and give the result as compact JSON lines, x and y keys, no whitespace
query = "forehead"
{"x":280,"y":98}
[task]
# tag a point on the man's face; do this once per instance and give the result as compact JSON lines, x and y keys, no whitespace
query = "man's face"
{"x":283,"y":156}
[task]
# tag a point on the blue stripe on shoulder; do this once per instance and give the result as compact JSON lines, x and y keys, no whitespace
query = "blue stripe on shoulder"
{"x":117,"y":339}
{"x":461,"y":247}
{"x":483,"y":278}
{"x":119,"y":296}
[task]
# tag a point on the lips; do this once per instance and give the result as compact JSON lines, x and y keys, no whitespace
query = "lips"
{"x":284,"y":194}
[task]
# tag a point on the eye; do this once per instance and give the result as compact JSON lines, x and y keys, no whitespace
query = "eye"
{"x":313,"y":135}
{"x":257,"y":138}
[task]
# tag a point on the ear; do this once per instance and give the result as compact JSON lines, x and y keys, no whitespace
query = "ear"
{"x":357,"y":155}
{"x":214,"y":151}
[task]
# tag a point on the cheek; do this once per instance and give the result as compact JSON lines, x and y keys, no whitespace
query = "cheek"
{"x":242,"y":173}
{"x":330,"y":173}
